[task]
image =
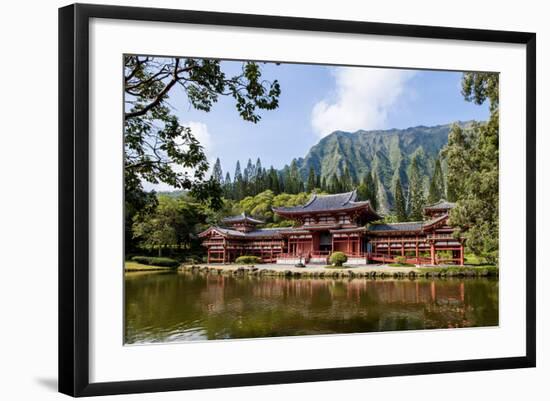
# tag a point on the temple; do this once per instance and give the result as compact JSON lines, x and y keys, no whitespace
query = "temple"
{"x":330,"y":223}
{"x":421,"y":242}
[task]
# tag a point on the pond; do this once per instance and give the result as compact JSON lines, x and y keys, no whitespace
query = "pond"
{"x":168,"y":307}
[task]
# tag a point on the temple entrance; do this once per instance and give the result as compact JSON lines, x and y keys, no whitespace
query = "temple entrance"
{"x":325,"y":243}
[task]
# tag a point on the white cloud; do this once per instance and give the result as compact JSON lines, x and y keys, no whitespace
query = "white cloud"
{"x":200,"y":132}
{"x":362,"y":100}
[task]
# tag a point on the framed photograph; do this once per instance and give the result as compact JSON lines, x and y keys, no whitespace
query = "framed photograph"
{"x":251,"y":199}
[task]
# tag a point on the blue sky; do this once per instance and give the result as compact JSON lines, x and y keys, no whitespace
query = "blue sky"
{"x":317,"y":100}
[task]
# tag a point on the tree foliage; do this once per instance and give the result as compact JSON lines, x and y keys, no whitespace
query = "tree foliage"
{"x":261,"y":206}
{"x":472,"y":156}
{"x":399,"y":201}
{"x":436,"y":191}
{"x":172,"y":224}
{"x":158,"y":149}
{"x":338,"y":258}
{"x":367,"y":190}
{"x":417,"y":200}
{"x":311,"y":180}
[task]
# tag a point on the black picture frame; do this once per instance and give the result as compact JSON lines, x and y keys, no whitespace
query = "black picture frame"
{"x":74,"y":198}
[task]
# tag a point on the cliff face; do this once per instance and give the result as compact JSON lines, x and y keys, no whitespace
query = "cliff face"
{"x":386,"y":152}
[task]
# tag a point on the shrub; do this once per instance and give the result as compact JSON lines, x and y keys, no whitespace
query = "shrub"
{"x":248,"y":260}
{"x":193,"y":260}
{"x":338,"y":258}
{"x":402,"y":260}
{"x":156,"y":261}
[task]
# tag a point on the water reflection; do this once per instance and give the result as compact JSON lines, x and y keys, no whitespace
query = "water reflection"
{"x":186,"y":306}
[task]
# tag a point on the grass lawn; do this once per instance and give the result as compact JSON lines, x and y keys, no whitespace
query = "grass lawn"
{"x":471,"y":259}
{"x":130,"y":266}
{"x":401,"y":265}
{"x":490,"y":270}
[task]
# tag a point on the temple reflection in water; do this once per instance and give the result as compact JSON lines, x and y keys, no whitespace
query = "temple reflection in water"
{"x":196,"y":306}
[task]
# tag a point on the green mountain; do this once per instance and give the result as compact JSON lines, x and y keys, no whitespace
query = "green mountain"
{"x":386,"y":152}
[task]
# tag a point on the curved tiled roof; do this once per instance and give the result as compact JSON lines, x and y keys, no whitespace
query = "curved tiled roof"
{"x":243,"y":217}
{"x":258,"y":233}
{"x":321,"y":203}
{"x":406,"y":226}
{"x":441,"y":205}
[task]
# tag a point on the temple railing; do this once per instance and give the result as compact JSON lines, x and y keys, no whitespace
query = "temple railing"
{"x":441,"y":237}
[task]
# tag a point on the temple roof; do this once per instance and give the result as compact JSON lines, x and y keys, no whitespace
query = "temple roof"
{"x":258,"y":233}
{"x":441,"y":205}
{"x":408,"y":226}
{"x":242,"y":218}
{"x":397,"y":227}
{"x":328,"y":203}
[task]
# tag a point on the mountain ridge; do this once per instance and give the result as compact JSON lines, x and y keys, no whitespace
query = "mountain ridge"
{"x":388,"y":153}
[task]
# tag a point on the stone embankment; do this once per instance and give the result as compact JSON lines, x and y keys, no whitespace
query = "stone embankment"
{"x":367,"y":271}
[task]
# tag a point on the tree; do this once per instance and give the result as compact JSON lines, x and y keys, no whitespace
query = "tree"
{"x":311,"y":180}
{"x":217,"y":173}
{"x":334,"y":186}
{"x":399,"y":201}
{"x":458,"y":152}
{"x":373,"y":184}
{"x":416,"y":192}
{"x":261,"y":206}
{"x":368,"y":190}
{"x":347,"y":182}
{"x":238,"y":182}
{"x":228,"y":187}
{"x":258,"y":177}
{"x":157,"y":147}
{"x":170,"y":225}
{"x":364,"y":190}
{"x":472,"y":156}
{"x":324,"y":185}
{"x":248,"y":174}
{"x":274,"y":180}
{"x":292,"y":178}
{"x":437,"y":184}
{"x":136,"y":202}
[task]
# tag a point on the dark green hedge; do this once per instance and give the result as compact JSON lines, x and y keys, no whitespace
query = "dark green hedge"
{"x":156,"y":261}
{"x":248,"y":260}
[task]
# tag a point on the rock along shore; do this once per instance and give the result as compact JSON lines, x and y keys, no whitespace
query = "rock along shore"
{"x":367,"y":271}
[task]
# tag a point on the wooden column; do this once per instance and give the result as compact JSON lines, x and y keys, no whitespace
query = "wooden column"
{"x":461,"y":254}
{"x":432,"y":253}
{"x":416,"y":251}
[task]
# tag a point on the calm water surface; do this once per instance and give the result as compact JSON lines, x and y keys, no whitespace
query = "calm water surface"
{"x":164,"y":307}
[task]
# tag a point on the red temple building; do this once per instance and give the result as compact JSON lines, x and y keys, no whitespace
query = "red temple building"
{"x":330,"y":223}
{"x":421,"y":242}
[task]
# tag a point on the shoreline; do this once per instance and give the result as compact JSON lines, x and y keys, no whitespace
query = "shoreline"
{"x":365,"y":271}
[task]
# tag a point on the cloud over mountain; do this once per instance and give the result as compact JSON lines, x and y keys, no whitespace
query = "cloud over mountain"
{"x":361,"y":100}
